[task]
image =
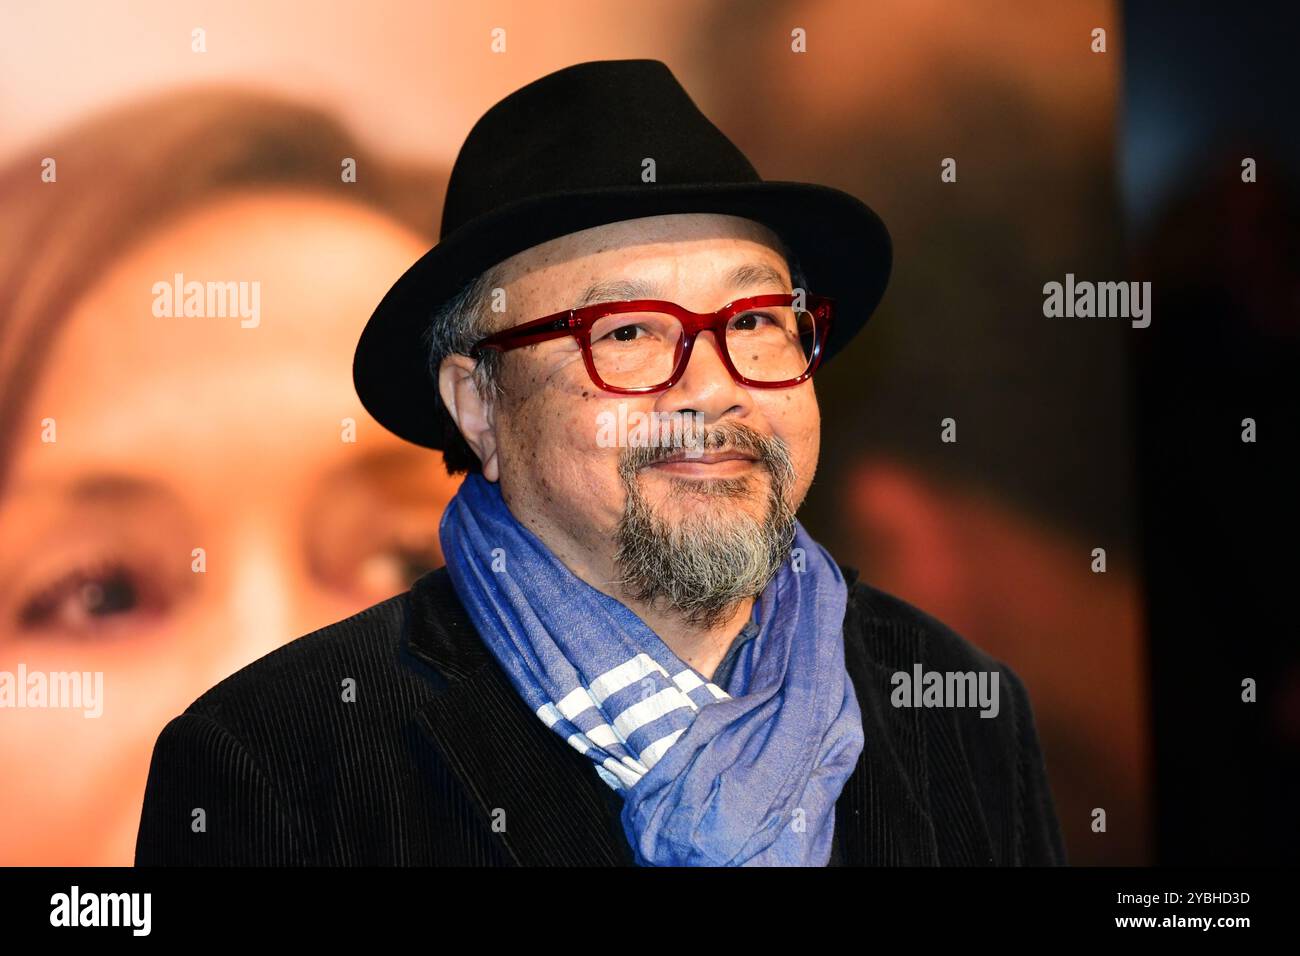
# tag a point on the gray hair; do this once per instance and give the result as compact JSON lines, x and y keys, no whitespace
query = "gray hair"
{"x":467,"y":317}
{"x":454,"y":328}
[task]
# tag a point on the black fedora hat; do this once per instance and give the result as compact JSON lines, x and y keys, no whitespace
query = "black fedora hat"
{"x":565,"y":153}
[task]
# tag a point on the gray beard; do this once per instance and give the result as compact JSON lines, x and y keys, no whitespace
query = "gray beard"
{"x":701,"y":567}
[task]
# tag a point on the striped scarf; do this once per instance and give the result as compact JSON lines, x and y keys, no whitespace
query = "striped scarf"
{"x":707,"y":778}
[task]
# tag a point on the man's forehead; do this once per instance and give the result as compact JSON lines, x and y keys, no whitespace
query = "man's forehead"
{"x":746,"y":275}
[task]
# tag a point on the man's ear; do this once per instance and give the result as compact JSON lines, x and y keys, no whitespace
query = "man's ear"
{"x":472,"y":412}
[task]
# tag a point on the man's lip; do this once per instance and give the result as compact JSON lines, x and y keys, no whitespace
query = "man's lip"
{"x":709,"y":458}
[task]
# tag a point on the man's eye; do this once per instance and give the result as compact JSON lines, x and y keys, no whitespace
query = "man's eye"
{"x":748,"y":321}
{"x":624,"y":333}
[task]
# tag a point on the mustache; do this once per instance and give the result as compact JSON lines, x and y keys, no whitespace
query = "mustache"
{"x":724,"y":437}
{"x":702,"y":566}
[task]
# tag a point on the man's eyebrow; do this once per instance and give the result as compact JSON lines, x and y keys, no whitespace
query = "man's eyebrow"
{"x":755,"y":273}
{"x":617,"y":290}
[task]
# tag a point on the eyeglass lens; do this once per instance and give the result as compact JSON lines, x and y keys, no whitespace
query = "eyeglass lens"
{"x":639,"y":349}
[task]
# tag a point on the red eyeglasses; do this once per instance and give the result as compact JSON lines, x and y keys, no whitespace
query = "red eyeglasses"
{"x":766,"y":341}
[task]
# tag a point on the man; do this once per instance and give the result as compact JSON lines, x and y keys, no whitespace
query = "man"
{"x":636,"y":654}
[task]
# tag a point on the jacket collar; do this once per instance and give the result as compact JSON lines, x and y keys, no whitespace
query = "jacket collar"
{"x":542,"y":797}
{"x":551,"y":807}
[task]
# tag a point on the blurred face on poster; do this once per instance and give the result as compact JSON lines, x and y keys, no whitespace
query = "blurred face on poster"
{"x":186,"y":492}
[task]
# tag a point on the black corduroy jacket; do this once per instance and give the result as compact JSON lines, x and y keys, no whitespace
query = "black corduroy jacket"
{"x":393,"y":737}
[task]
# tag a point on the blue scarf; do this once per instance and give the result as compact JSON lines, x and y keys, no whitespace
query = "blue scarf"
{"x":742,"y":776}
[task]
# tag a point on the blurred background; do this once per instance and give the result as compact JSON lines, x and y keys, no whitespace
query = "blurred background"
{"x":206,"y":139}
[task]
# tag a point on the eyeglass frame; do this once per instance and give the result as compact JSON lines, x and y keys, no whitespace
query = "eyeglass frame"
{"x":578,"y":323}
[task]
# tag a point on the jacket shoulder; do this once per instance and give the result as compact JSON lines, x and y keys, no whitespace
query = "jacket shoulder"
{"x":362,"y":643}
{"x":269,"y":750}
{"x":897,"y":634}
{"x":983,"y":739}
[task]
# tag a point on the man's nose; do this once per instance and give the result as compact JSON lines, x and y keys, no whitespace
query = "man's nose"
{"x":706,"y":386}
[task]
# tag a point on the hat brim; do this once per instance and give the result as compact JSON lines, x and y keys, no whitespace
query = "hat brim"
{"x":844,"y":248}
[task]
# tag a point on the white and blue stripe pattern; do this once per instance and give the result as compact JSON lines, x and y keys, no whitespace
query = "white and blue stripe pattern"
{"x":707,"y":778}
{"x":649,"y":710}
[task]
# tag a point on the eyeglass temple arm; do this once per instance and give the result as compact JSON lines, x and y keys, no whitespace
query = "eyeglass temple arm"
{"x":530,"y":333}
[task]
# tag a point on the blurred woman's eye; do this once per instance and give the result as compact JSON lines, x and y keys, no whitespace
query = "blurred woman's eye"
{"x":90,"y":598}
{"x":396,"y":566}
